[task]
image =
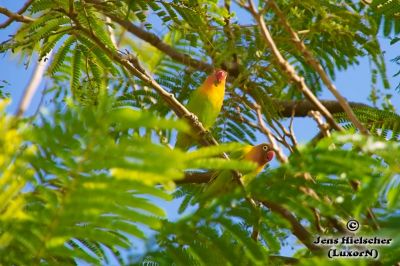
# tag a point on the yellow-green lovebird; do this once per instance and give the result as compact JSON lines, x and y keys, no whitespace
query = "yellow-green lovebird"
{"x":223,"y":181}
{"x":206,"y":103}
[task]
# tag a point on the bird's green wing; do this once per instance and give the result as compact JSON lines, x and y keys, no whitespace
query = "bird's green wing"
{"x":221,"y":182}
{"x":199,"y":105}
{"x":239,"y":154}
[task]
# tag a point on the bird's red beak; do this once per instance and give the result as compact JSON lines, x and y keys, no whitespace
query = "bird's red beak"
{"x":220,"y":75}
{"x":270,"y":155}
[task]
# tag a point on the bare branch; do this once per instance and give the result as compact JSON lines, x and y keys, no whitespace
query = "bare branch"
{"x":302,"y":107}
{"x":288,"y":68}
{"x":132,"y":65}
{"x":255,"y":233}
{"x":281,"y":157}
{"x":180,"y":110}
{"x":285,"y":260}
{"x":313,"y":62}
{"x":153,"y":39}
{"x":337,"y":225}
{"x":285,"y":133}
{"x":291,"y":130}
{"x":317,"y":217}
{"x":297,"y":228}
{"x":159,"y":44}
{"x":195,"y":178}
{"x":13,"y":17}
{"x":322,"y":126}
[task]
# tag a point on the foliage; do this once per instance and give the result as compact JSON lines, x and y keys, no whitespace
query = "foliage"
{"x":89,"y":180}
{"x":72,"y":188}
{"x":381,"y":123}
{"x":385,"y":13}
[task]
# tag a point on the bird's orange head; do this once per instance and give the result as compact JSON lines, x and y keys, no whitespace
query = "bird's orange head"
{"x":217,"y":79}
{"x":215,"y":85}
{"x":220,"y":75}
{"x":260,"y":154}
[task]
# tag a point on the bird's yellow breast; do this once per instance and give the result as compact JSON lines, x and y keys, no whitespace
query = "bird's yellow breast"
{"x":214,"y":92}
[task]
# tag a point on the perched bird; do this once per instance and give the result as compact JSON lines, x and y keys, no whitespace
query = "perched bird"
{"x":222,"y":181}
{"x":206,"y":103}
{"x":260,"y":154}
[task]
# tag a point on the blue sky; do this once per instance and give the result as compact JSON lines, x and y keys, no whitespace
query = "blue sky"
{"x":354,"y":83}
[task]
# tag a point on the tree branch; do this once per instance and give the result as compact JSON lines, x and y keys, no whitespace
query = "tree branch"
{"x":297,"y":228}
{"x":132,"y":65}
{"x":162,"y":46}
{"x":153,"y":39}
{"x":287,"y":67}
{"x":302,"y":107}
{"x":313,"y":62}
{"x":321,"y":125}
{"x":285,"y":260}
{"x":195,"y":178}
{"x":281,"y":156}
{"x":15,"y":16}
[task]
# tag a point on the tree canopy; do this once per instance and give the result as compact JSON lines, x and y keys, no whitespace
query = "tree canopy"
{"x":88,"y":179}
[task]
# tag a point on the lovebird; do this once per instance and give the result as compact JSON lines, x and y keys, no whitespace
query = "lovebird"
{"x":223,"y":181}
{"x":206,"y":103}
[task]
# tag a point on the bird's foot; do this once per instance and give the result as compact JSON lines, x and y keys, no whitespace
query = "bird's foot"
{"x":191,"y":117}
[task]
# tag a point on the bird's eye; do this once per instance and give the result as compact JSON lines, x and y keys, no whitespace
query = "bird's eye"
{"x":265,"y":148}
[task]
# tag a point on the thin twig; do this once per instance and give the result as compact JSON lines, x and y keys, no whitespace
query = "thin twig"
{"x":337,"y":225}
{"x":255,"y":233}
{"x":318,"y":224}
{"x":133,"y":66}
{"x":281,"y":157}
{"x":279,"y":134}
{"x":152,"y":39}
{"x":285,"y":133}
{"x":15,"y":15}
{"x":256,"y":228}
{"x":291,"y":130}
{"x":313,"y":62}
{"x":287,"y":67}
{"x":131,"y":63}
{"x":321,"y":125}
